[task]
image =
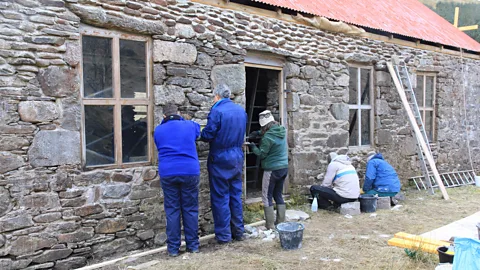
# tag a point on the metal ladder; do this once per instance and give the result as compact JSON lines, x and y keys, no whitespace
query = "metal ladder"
{"x":406,"y":84}
{"x":449,"y":179}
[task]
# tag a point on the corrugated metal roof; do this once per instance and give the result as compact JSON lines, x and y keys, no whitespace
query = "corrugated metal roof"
{"x":404,"y":17}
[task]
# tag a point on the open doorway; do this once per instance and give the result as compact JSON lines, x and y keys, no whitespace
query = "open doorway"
{"x":263,"y":92}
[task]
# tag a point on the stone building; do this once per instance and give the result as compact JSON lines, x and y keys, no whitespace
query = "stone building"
{"x":83,"y":82}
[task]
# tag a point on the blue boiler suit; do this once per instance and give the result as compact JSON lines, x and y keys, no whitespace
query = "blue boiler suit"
{"x":179,"y":171}
{"x":225,"y":131}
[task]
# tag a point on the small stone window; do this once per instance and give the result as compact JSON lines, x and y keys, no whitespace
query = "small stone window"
{"x":425,"y":95}
{"x":116,"y":98}
{"x":360,"y":106}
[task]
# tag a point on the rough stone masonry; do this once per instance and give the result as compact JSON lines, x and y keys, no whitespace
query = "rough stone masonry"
{"x":55,"y":213}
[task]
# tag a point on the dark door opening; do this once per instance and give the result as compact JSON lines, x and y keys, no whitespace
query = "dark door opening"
{"x":262,"y":93}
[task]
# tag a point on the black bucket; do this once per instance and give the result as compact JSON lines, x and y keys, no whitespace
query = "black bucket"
{"x":443,"y":257}
{"x":291,"y":235}
{"x":368,"y":203}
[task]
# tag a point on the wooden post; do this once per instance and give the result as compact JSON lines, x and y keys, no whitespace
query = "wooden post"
{"x":455,"y":18}
{"x":414,"y":125}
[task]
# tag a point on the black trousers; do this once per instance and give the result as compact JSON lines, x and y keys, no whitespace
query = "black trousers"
{"x":327,"y":197}
{"x":272,"y":186}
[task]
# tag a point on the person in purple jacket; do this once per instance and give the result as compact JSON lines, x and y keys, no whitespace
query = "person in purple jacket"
{"x":179,"y":171}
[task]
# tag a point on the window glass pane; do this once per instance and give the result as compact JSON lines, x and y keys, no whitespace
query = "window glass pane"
{"x":429,"y":91}
{"x":419,"y":90}
{"x":365,"y":86}
{"x":365,"y":117}
{"x":134,"y":133}
{"x":133,"y":69}
{"x":353,"y":130}
{"x":97,"y":67}
{"x":352,"y":86}
{"x":429,"y":124}
{"x":99,"y":135}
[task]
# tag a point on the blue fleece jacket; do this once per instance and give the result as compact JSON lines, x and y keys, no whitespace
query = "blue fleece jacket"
{"x":177,"y":152}
{"x":380,"y":176}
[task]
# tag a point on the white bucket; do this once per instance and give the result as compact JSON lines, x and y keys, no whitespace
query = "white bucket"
{"x":477,"y":181}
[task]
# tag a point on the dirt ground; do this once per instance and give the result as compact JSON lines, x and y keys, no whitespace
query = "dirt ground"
{"x":332,"y":241}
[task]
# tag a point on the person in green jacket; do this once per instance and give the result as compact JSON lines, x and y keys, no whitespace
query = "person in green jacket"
{"x":273,"y":153}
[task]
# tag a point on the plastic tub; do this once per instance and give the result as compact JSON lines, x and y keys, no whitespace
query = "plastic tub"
{"x":291,"y":235}
{"x":368,"y":203}
{"x":444,"y":257}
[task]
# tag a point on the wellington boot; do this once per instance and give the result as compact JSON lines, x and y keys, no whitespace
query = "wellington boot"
{"x":269,"y":217}
{"x":281,"y":209}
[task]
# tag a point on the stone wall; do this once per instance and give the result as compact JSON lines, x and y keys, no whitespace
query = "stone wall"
{"x":56,"y":214}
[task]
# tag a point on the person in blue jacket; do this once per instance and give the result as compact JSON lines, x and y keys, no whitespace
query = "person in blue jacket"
{"x":179,"y":171}
{"x":225,"y":131}
{"x":380,"y":177}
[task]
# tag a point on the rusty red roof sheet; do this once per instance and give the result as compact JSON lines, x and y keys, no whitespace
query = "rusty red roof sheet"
{"x":404,"y":17}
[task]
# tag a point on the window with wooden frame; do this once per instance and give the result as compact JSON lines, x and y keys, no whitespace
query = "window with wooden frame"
{"x":425,"y":95}
{"x":360,"y":106}
{"x":116,"y":106}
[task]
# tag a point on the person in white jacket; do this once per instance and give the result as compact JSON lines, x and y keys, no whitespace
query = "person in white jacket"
{"x":340,"y":184}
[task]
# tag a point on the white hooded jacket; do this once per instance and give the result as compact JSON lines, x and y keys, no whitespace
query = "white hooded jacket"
{"x":342,"y":177}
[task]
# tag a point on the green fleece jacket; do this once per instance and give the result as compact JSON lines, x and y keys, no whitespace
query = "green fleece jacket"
{"x":273,"y":149}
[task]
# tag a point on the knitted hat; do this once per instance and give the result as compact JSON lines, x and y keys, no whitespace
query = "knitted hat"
{"x":265,"y":117}
{"x":370,"y":155}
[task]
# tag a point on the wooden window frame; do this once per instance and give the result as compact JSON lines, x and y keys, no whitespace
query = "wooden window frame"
{"x":117,"y":101}
{"x":361,"y":107}
{"x":421,"y":106}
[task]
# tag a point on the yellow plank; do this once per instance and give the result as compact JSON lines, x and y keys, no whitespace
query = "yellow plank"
{"x":403,"y":243}
{"x":421,"y":239}
{"x":455,"y":18}
{"x":468,"y":28}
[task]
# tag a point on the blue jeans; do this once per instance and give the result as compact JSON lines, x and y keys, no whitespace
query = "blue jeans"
{"x":181,"y":197}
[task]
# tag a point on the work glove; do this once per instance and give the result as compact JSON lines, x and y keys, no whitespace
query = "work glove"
{"x":254,"y":134}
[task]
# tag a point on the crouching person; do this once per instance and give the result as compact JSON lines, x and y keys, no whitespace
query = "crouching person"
{"x":380,"y":178}
{"x":340,"y":185}
{"x":179,"y":171}
{"x":274,"y":156}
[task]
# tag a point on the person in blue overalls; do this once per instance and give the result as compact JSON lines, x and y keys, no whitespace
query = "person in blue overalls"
{"x":179,"y":171}
{"x":225,"y":131}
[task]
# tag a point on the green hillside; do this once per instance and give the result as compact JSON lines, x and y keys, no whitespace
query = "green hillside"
{"x":469,"y":12}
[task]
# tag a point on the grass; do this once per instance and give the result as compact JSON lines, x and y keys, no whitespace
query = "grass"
{"x":252,"y":213}
{"x":332,"y":241}
{"x":296,"y":199}
{"x":418,"y":255}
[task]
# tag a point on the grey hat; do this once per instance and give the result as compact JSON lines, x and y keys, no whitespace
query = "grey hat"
{"x":370,"y":155}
